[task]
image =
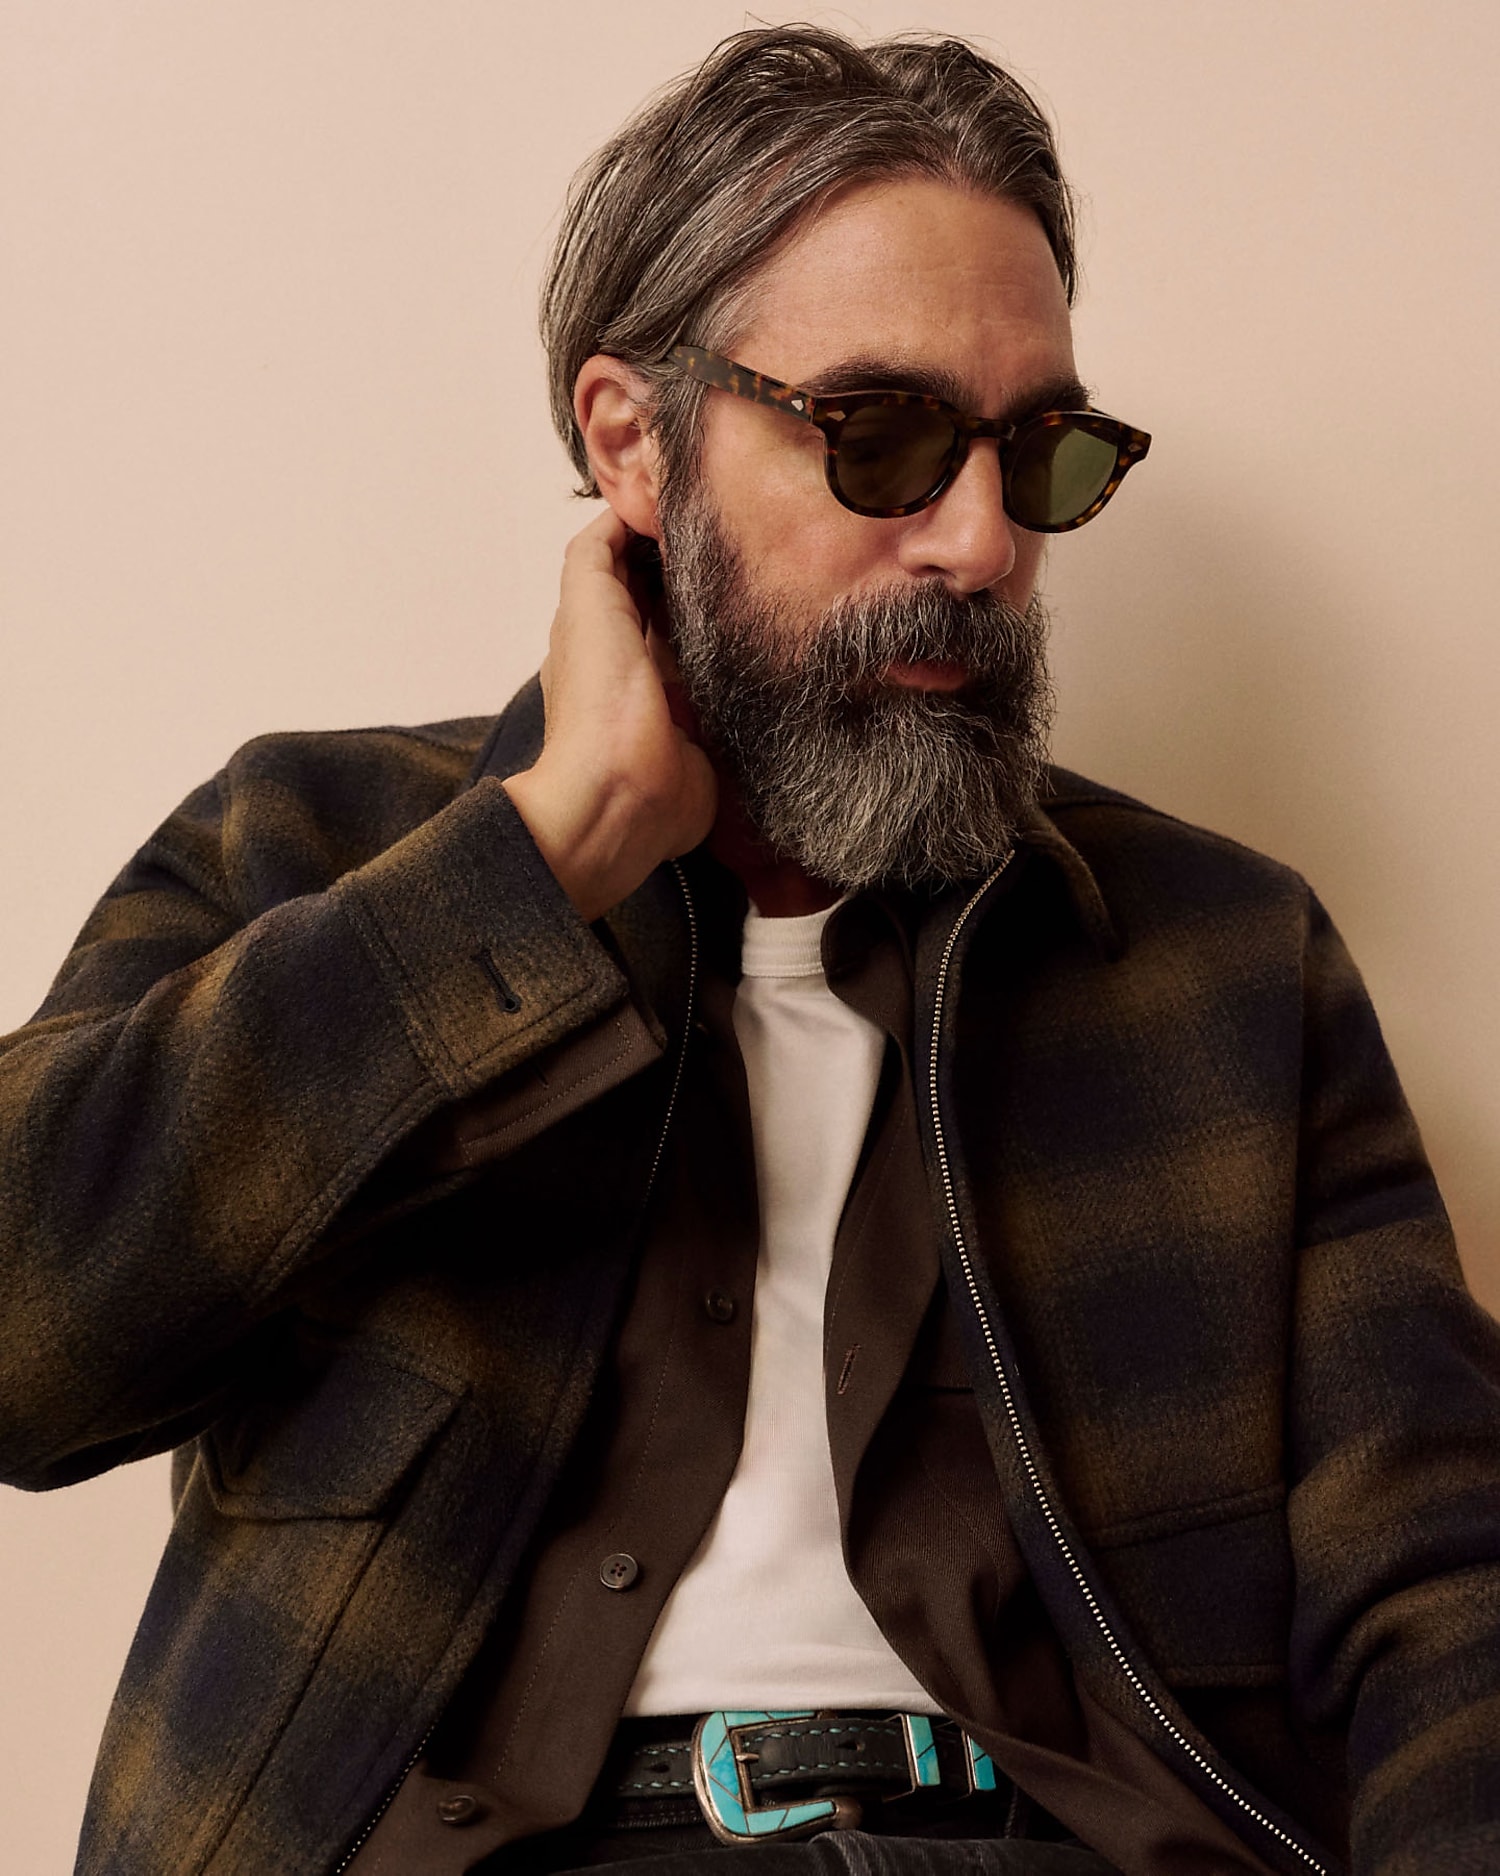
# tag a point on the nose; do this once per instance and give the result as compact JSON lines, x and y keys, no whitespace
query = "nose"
{"x":965,"y":536}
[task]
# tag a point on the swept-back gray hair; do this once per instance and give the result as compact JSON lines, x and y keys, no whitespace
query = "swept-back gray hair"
{"x":666,"y":226}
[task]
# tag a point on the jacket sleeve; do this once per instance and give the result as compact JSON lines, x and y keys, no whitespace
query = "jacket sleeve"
{"x":1395,"y":1434}
{"x":254,"y":1016}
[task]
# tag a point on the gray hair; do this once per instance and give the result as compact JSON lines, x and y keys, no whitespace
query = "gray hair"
{"x":666,"y":227}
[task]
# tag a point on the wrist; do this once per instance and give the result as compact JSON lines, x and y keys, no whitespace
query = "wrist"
{"x":584,"y":836}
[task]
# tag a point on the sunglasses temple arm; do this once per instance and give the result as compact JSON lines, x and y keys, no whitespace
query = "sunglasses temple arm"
{"x":724,"y":375}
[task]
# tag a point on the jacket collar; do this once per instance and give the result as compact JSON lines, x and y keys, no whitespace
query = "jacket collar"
{"x":1041,"y":835}
{"x":515,"y":742}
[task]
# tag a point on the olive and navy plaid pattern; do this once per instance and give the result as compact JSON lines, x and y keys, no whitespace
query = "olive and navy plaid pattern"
{"x":1246,"y":1419}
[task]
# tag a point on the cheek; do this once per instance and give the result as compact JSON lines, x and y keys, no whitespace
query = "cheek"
{"x":757,"y":461}
{"x":815,"y":552}
{"x":770,"y":486}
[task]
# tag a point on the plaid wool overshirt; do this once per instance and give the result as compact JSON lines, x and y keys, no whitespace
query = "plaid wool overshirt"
{"x":325,"y":1160}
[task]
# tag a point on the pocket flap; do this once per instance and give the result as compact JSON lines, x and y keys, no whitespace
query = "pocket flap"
{"x":336,"y":1445}
{"x":1170,"y":1575}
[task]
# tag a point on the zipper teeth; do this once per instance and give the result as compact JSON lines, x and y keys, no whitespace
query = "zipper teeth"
{"x":385,"y":1804}
{"x":1019,"y":1432}
{"x":687,"y":1022}
{"x":661,"y":1145}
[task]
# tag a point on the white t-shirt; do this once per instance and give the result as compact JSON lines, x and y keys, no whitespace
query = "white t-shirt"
{"x":765,"y":1614}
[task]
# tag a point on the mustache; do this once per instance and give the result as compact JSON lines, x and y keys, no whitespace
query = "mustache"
{"x":857,"y":638}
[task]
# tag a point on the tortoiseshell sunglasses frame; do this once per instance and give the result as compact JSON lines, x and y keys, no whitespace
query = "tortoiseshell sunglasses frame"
{"x":829,"y":414}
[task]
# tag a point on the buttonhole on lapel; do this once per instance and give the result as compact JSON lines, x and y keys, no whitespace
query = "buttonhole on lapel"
{"x":509,"y":1001}
{"x":848,"y":1367}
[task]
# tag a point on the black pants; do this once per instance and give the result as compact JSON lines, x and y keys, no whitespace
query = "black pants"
{"x":859,"y":1853}
{"x":691,"y":1850}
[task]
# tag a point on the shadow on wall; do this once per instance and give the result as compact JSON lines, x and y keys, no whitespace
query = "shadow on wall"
{"x":1217,"y":669}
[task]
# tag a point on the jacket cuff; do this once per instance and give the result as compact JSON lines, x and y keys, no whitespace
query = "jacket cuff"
{"x":481,"y":950}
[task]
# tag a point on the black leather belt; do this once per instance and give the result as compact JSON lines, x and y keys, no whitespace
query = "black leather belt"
{"x":754,"y":1775}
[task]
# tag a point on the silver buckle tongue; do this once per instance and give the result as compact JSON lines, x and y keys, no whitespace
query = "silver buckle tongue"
{"x":722,"y":1781}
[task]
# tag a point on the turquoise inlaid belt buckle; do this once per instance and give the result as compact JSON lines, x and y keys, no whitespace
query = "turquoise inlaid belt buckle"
{"x":722,"y":1780}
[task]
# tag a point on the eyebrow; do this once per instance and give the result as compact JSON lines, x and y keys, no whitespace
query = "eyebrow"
{"x":869,"y":372}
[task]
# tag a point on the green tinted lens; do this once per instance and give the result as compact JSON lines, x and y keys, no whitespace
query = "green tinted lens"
{"x":890,"y":455}
{"x":1058,"y":472}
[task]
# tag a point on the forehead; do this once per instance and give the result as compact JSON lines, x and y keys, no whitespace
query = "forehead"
{"x":921,"y":274}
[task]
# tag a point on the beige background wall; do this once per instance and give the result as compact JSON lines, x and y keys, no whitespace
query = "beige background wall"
{"x":276,"y":455}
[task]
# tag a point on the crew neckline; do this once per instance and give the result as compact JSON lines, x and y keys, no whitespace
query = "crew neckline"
{"x":784,"y":947}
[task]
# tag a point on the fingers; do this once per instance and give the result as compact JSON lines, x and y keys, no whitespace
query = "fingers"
{"x":593,"y":595}
{"x":597,"y":548}
{"x":599,"y":672}
{"x":620,"y":784}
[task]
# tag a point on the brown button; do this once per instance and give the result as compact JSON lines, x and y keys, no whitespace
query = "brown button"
{"x":719,"y":1306}
{"x":461,"y":1809}
{"x":619,"y":1571}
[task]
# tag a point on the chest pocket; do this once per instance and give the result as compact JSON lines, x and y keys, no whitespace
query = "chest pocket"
{"x":334,"y":1441}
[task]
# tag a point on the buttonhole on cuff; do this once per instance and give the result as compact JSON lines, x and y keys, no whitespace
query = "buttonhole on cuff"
{"x":509,"y":1001}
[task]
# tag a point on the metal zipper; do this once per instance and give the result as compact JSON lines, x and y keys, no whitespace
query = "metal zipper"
{"x":687,"y":1021}
{"x":661,"y":1145}
{"x":1018,"y":1432}
{"x":385,"y":1803}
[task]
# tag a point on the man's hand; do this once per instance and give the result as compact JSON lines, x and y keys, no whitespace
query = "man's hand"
{"x":619,"y":786}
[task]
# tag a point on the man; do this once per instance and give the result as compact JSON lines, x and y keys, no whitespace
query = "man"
{"x":735,"y":1267}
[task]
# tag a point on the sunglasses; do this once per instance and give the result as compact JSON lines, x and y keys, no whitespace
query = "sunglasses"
{"x":889,"y":453}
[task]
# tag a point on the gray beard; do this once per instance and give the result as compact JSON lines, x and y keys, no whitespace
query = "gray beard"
{"x":855,"y":779}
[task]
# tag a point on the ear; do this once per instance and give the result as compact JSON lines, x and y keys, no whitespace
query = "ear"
{"x":610,"y":400}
